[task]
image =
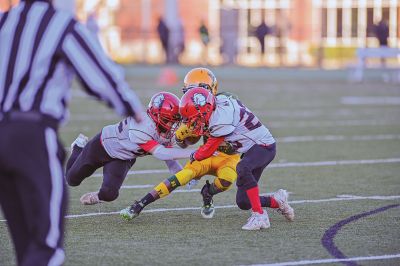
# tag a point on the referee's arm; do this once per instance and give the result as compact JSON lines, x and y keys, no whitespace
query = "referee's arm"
{"x":100,"y":76}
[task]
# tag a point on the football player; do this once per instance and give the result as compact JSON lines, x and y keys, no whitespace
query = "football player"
{"x":222,"y":165}
{"x":117,"y":146}
{"x":227,"y":120}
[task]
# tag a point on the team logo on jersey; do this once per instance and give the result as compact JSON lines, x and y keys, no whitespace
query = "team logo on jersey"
{"x":158,"y":101}
{"x":199,"y":99}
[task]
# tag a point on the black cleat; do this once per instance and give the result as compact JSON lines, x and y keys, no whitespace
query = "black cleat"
{"x":133,"y":211}
{"x":208,"y":210}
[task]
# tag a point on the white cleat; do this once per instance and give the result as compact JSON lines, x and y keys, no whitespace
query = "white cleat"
{"x":281,"y":196}
{"x":80,"y":141}
{"x":90,"y":198}
{"x":257,"y":221}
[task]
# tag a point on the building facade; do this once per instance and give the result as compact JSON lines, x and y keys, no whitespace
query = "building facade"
{"x":301,"y":32}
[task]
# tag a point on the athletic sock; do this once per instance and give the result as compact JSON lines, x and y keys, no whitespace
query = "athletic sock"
{"x":268,"y":201}
{"x":146,"y":200}
{"x":254,"y":197}
{"x":274,"y":204}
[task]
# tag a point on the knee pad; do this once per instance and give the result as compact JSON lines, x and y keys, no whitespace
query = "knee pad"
{"x":222,"y":184}
{"x":108,"y":194}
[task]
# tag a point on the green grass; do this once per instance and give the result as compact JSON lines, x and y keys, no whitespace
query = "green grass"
{"x":292,"y":103}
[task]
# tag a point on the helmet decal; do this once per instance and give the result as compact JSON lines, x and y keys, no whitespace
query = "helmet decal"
{"x":158,"y":100}
{"x":199,"y":99}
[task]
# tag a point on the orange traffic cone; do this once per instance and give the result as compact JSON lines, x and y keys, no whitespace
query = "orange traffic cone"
{"x":167,"y":77}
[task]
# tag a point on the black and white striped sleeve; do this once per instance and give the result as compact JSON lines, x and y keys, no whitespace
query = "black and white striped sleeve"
{"x":100,"y":76}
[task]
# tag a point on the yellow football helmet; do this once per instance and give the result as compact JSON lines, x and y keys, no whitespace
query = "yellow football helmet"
{"x":200,"y":77}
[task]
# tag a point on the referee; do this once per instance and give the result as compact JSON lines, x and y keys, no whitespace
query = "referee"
{"x":40,"y":50}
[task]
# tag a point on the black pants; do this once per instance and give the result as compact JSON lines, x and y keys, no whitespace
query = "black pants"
{"x":249,"y":171}
{"x":32,"y":190}
{"x":84,"y":162}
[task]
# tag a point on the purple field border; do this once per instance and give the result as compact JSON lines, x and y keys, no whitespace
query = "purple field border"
{"x":327,"y":239}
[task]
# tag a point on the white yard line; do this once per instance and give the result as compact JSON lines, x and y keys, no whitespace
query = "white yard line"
{"x":338,"y":198}
{"x":291,"y":139}
{"x":281,"y":165}
{"x":356,"y":100}
{"x":320,"y":261}
{"x":335,"y":123}
{"x":337,"y":138}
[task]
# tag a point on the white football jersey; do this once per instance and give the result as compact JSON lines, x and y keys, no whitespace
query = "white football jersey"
{"x":121,"y":141}
{"x":240,"y":127}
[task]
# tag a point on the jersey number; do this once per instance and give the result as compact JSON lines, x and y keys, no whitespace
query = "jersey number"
{"x":249,"y":123}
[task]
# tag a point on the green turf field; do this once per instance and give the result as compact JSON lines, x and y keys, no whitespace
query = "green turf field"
{"x":338,"y":156}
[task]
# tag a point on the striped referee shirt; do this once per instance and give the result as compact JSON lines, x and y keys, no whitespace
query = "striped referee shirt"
{"x":41,"y":48}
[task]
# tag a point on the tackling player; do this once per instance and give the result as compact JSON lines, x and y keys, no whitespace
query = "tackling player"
{"x":117,"y":146}
{"x":222,"y":165}
{"x":226,"y":119}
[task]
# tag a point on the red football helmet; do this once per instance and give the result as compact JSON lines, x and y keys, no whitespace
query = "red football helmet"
{"x":164,"y":110}
{"x":196,"y":107}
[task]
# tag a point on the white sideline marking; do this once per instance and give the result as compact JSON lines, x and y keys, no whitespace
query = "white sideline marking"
{"x":338,"y":198}
{"x":354,"y":100}
{"x":336,"y":123}
{"x":137,"y":186}
{"x":306,"y":262}
{"x":337,"y":138}
{"x":281,"y":165}
{"x":330,"y":163}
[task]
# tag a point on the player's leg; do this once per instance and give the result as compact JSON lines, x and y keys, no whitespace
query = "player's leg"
{"x":224,"y":167}
{"x":278,"y":200}
{"x":114,"y":174}
{"x":89,"y":159}
{"x":163,"y":189}
{"x":257,"y":157}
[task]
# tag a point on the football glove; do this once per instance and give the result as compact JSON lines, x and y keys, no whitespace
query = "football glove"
{"x":226,"y":148}
{"x":184,"y":132}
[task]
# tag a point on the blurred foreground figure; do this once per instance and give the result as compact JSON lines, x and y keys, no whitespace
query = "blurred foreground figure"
{"x":40,"y":50}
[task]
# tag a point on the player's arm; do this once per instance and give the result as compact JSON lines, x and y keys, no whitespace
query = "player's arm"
{"x":164,"y":153}
{"x":100,"y":76}
{"x":208,"y":149}
{"x":162,"y":190}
